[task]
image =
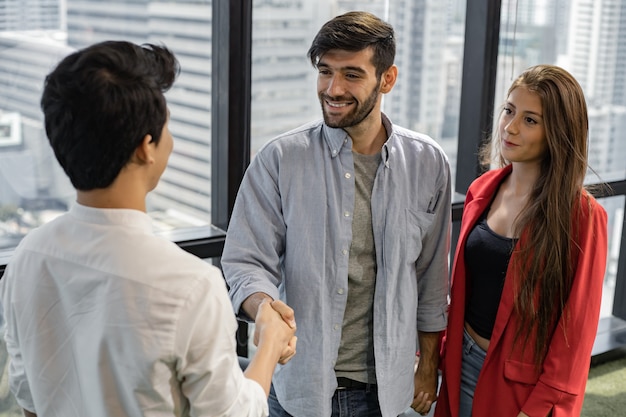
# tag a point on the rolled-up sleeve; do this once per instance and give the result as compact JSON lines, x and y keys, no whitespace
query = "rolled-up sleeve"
{"x":255,"y":238}
{"x":208,"y":366}
{"x":433,"y":262}
{"x":18,"y":381}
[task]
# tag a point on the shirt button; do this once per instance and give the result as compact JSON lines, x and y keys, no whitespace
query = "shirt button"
{"x":336,"y":327}
{"x":334,"y":152}
{"x":348,"y":176}
{"x":346,"y":214}
{"x":340,"y":291}
{"x":344,"y":251}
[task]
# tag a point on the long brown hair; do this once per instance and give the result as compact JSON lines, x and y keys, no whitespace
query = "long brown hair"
{"x":545,"y":259}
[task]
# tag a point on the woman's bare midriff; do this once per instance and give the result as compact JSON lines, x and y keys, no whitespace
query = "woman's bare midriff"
{"x":480,"y":341}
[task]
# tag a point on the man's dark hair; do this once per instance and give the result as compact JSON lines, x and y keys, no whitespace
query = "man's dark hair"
{"x":355,"y":31}
{"x":100,"y":102}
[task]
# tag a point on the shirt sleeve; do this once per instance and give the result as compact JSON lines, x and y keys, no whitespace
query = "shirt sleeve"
{"x":18,"y":382}
{"x":208,"y":367}
{"x":566,"y":366}
{"x":256,"y":234}
{"x":432,"y":264}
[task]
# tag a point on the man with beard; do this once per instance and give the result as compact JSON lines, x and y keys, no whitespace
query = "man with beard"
{"x":346,"y":220}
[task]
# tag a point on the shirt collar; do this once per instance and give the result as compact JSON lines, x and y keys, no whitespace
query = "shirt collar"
{"x":336,"y":138}
{"x":112,"y":217}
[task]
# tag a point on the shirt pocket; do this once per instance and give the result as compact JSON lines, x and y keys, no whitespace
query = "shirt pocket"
{"x":521,"y":372}
{"x":417,"y":226}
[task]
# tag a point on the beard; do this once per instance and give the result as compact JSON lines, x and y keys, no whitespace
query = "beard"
{"x":356,"y":115}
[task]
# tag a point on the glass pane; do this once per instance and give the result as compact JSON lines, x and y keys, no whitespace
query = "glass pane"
{"x":426,"y":97}
{"x":582,"y":37}
{"x":34,"y":36}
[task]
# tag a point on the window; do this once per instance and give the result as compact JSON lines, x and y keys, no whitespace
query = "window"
{"x":34,"y":36}
{"x":541,"y":32}
{"x":429,"y":55}
{"x":433,"y":95}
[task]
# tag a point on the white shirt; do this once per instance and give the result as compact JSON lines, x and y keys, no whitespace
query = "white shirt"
{"x":103,"y":318}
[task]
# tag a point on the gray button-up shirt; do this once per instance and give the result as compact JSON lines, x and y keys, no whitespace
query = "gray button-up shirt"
{"x":290,"y":235}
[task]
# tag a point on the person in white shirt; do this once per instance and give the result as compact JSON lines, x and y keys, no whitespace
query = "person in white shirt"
{"x":104,"y":318}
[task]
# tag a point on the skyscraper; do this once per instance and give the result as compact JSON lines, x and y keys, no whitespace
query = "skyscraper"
{"x":30,"y":178}
{"x":283,"y":80}
{"x":27,"y":15}
{"x":597,"y":58}
{"x":184,"y":26}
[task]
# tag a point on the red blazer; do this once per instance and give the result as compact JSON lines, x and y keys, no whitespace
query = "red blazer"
{"x":508,"y":382}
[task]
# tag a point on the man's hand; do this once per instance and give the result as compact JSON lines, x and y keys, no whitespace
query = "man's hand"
{"x":251,"y":306}
{"x":425,"y":393}
{"x":275,"y":341}
{"x":272,"y":327}
{"x":288,"y":316}
{"x":285,"y":312}
{"x":426,"y":375}
{"x":289,"y":351}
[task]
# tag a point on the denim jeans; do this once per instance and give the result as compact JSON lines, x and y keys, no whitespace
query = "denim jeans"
{"x":473,"y":358}
{"x":346,"y":403}
{"x":276,"y":410}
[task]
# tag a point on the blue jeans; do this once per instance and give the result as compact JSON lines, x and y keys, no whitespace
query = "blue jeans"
{"x":346,"y":403}
{"x":473,"y":359}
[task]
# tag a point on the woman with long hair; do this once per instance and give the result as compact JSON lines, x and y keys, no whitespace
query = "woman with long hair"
{"x":530,"y":261}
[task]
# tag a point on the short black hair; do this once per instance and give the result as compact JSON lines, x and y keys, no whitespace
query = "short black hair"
{"x":355,"y":31}
{"x":100,"y":102}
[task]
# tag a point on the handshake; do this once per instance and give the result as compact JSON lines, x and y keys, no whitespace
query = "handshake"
{"x":274,"y":336}
{"x":275,"y":328}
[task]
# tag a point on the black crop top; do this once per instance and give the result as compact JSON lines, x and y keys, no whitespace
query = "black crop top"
{"x":487,"y":257}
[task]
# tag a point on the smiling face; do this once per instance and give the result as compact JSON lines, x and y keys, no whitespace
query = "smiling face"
{"x":522,"y":128}
{"x":348,"y":88}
